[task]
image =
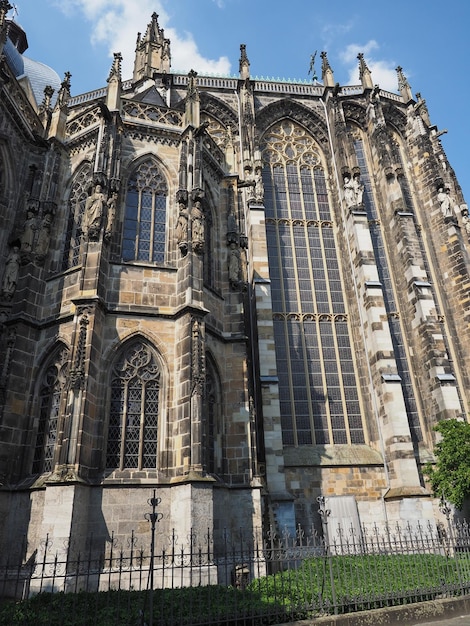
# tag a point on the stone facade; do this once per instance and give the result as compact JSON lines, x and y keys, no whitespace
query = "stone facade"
{"x":244,"y":294}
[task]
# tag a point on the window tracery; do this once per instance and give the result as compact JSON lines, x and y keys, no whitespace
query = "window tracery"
{"x":212,"y":433}
{"x":74,"y":235}
{"x":144,"y":236}
{"x":317,"y":382}
{"x":52,"y":386}
{"x":134,"y":409}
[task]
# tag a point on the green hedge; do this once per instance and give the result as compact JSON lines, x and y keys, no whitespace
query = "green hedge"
{"x":303,"y":590}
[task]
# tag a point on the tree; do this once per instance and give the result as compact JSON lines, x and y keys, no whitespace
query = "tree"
{"x":450,"y":476}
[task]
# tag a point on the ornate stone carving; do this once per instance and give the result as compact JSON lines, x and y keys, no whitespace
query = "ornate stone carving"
{"x":11,"y":272}
{"x":198,"y":358}
{"x":77,"y":373}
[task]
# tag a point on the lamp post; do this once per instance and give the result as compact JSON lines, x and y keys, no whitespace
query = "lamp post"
{"x":153,"y":517}
{"x":324,"y":515}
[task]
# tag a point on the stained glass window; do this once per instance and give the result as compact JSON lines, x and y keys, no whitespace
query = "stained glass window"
{"x":73,"y":234}
{"x":317,"y":382}
{"x":144,"y":235}
{"x":51,"y":389}
{"x":134,"y":409}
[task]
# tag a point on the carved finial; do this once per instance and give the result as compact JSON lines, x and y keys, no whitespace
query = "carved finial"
{"x":64,"y":91}
{"x":115,"y":71}
{"x":326,"y":71}
{"x":46,"y":102}
{"x":403,"y":85}
{"x":364,"y":73}
{"x":244,"y":66}
{"x":422,"y":109}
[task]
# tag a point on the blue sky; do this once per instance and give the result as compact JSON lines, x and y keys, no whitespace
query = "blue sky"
{"x":429,"y":39}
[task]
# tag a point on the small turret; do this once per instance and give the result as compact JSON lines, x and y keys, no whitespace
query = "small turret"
{"x":364,"y":73}
{"x":152,"y":53}
{"x":326,"y":71}
{"x":244,"y":67}
{"x":404,"y":86}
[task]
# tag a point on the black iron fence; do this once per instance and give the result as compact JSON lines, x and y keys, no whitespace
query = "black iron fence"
{"x":266,"y":579}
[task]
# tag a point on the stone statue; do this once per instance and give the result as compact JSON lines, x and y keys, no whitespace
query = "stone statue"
{"x":197,"y":226}
{"x":10,"y":277}
{"x":111,"y":215}
{"x":94,"y":208}
{"x":234,"y":265}
{"x":44,"y":238}
{"x":349,"y":192}
{"x":259,"y":187}
{"x":27,"y":236}
{"x":182,"y":229}
{"x":466,"y":222}
{"x":445,"y":200}
{"x":358,"y":189}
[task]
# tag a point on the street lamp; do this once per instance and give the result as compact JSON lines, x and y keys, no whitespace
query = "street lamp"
{"x":153,"y":517}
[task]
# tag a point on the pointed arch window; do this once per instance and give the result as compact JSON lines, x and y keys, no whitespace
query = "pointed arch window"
{"x":144,"y":236}
{"x":134,"y":409}
{"x":317,"y":381}
{"x":51,"y":389}
{"x":73,"y":235}
{"x":212,"y":443}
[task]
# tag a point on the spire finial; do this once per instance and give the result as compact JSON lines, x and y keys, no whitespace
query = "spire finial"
{"x":192,"y":101}
{"x":115,"y":71}
{"x":152,"y":53}
{"x":244,"y":66}
{"x":113,"y":94}
{"x":64,"y":91}
{"x":403,"y":85}
{"x":326,"y":71}
{"x":364,"y":73}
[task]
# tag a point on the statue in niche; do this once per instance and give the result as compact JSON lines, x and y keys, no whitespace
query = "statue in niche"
{"x":259,"y":187}
{"x":29,"y":229}
{"x":12,"y":268}
{"x":111,"y":215}
{"x":234,"y":265}
{"x":466,"y":222}
{"x":446,"y":202}
{"x":198,"y":226}
{"x":182,"y":229}
{"x":349,"y":192}
{"x":358,"y":189}
{"x":94,"y":208}
{"x":44,"y":238}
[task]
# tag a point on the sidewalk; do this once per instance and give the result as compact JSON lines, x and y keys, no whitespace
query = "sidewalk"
{"x":445,"y":612}
{"x":462,"y":620}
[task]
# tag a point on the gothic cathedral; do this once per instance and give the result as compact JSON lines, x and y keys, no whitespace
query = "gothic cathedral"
{"x":243,"y":293}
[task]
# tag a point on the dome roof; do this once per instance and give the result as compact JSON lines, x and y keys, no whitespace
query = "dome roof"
{"x":39,"y":74}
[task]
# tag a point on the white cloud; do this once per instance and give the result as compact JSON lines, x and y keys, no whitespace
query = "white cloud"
{"x":383,"y":71}
{"x":115,"y":24}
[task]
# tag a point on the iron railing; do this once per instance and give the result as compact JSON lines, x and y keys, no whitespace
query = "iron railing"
{"x":266,"y":578}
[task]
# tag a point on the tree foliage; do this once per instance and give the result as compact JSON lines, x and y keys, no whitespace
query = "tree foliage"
{"x":450,"y":476}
